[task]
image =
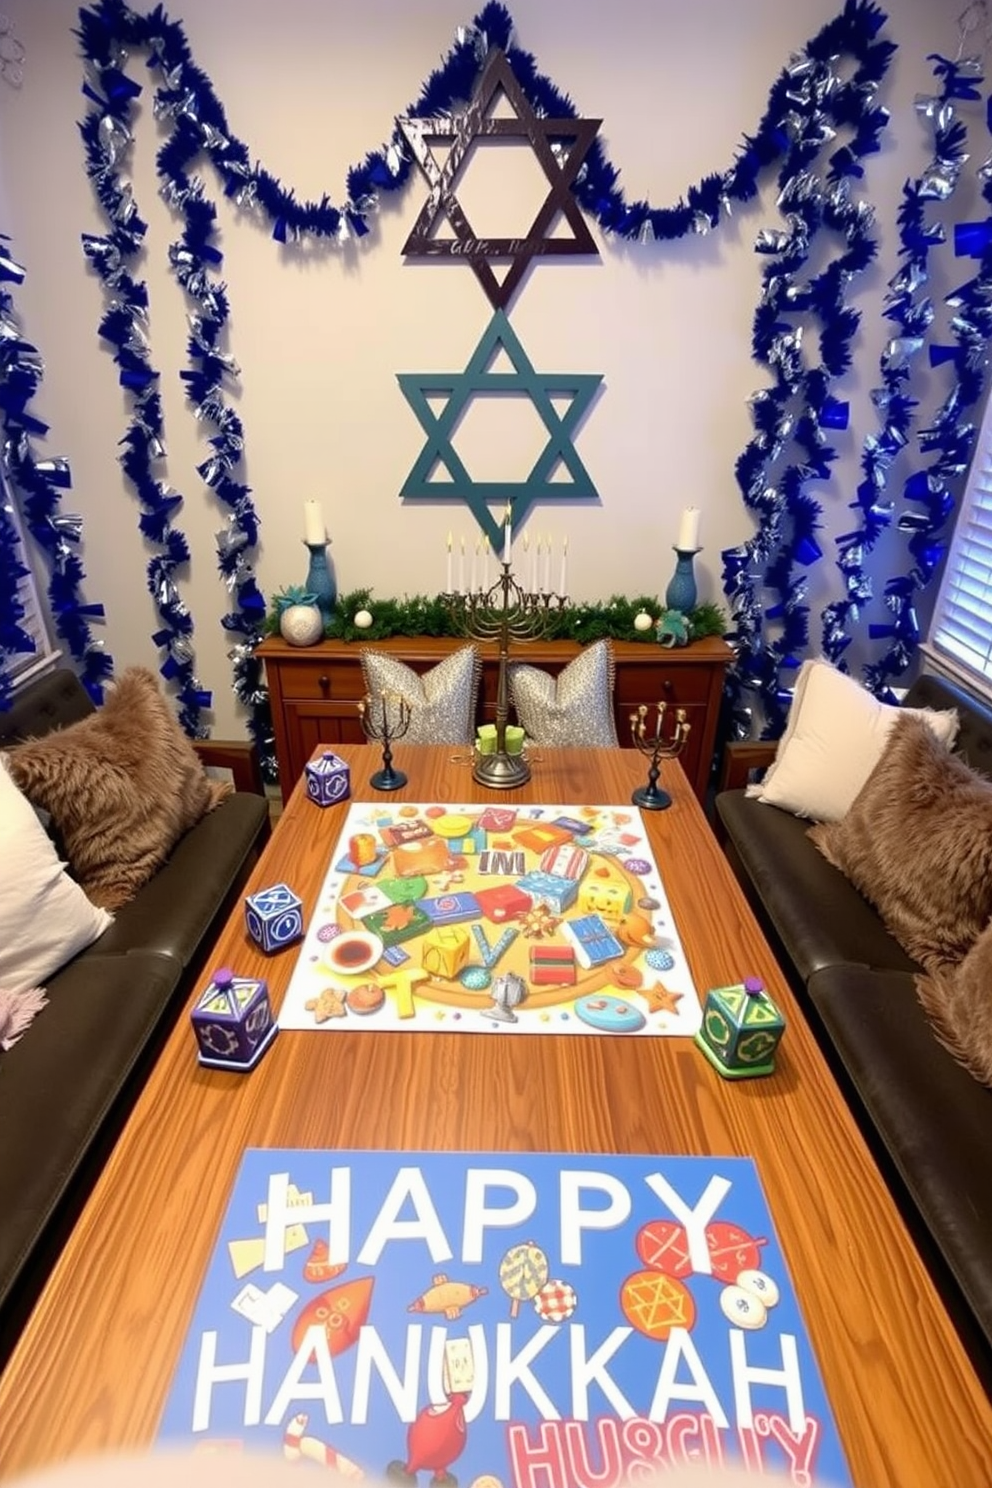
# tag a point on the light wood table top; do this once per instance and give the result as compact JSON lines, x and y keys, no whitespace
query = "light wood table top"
{"x":94,"y":1365}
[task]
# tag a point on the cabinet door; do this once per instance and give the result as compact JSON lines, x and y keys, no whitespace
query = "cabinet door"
{"x":309,"y":724}
{"x":686,"y":687}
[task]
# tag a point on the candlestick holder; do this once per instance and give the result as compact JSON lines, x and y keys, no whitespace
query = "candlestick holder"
{"x":681,"y":591}
{"x":320,"y":578}
{"x":504,"y":613}
{"x":656,"y":747}
{"x":384,"y":724}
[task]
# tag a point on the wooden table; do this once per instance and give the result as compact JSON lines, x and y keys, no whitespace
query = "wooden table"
{"x":95,"y":1362}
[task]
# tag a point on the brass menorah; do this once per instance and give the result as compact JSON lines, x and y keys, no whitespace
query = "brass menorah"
{"x":656,"y":747}
{"x":504,"y":613}
{"x":385,"y":719}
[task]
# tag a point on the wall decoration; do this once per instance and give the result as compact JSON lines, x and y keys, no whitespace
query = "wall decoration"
{"x":822,"y":104}
{"x":37,"y":485}
{"x":560,"y":166}
{"x":478,"y":377}
{"x":929,"y":491}
{"x":911,"y":310}
{"x":791,"y":416}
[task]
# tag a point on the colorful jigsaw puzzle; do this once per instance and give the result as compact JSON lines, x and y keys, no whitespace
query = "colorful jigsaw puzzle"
{"x":530,"y":919}
{"x":508,"y":1320}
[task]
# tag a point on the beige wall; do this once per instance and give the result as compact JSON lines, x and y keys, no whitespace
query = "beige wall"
{"x":320,"y":334}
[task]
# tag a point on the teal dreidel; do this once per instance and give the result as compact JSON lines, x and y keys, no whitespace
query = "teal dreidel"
{"x":741,"y":1029}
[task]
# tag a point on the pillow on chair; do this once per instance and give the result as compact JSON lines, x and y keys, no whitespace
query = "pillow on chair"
{"x":442,"y":701}
{"x":572,"y":710}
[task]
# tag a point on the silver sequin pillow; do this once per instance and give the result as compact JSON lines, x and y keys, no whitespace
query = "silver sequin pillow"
{"x":442,"y":701}
{"x":574,"y":709}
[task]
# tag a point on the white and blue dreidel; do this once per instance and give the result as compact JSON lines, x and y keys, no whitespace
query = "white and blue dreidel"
{"x":328,"y":779}
{"x":233,"y":1021}
{"x":741,"y":1030}
{"x":274,"y":917}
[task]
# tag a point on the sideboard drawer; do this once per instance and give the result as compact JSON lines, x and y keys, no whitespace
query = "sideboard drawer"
{"x":660,"y":684}
{"x":317,"y":681}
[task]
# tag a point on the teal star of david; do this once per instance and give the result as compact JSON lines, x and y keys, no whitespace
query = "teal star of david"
{"x":440,"y":427}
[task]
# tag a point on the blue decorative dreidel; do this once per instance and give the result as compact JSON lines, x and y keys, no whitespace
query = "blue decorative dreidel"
{"x":328,"y":779}
{"x":741,"y":1029}
{"x":274,"y":917}
{"x":233,"y":1021}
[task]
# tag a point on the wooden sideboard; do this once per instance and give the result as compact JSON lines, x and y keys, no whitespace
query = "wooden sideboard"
{"x":314,"y":690}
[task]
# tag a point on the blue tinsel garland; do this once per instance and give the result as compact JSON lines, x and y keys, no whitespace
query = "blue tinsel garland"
{"x":38,"y":485}
{"x":798,"y":409}
{"x":908,"y":305}
{"x":929,"y":492}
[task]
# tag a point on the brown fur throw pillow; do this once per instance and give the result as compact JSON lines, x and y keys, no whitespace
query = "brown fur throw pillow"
{"x":917,"y":843}
{"x":122,"y":787}
{"x":958,"y":1002}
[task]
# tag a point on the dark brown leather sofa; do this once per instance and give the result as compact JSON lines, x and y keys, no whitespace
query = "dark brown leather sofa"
{"x":929,"y":1121}
{"x":67,"y":1085}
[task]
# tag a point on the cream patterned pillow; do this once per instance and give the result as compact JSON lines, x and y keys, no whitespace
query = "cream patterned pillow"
{"x":442,"y":701}
{"x":573,"y":710}
{"x":835,"y":735}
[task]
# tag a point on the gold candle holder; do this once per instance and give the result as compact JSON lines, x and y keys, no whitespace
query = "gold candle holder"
{"x":384,"y":725}
{"x":656,"y":747}
{"x":504,"y":613}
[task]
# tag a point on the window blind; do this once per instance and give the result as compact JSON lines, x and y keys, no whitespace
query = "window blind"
{"x":19,"y":665}
{"x":961,"y":628}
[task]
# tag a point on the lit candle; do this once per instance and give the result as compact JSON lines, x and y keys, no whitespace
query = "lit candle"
{"x":485,"y":562}
{"x":530,"y":574}
{"x":546,"y":585}
{"x":461,"y":568}
{"x":506,"y":535}
{"x":314,"y":530}
{"x":447,"y":588}
{"x":475,"y":567}
{"x":562,"y":589}
{"x":688,"y":538}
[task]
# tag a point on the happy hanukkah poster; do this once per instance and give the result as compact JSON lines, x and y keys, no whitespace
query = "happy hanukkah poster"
{"x":502,"y":1321}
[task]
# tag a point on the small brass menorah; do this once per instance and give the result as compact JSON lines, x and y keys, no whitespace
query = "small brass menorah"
{"x":384,"y":720}
{"x":656,"y":747}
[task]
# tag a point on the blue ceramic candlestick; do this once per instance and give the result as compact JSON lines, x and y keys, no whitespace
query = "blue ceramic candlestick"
{"x":681,"y":592}
{"x":320,"y":579}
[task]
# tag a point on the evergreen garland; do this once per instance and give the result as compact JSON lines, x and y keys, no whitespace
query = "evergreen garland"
{"x":428,"y":615}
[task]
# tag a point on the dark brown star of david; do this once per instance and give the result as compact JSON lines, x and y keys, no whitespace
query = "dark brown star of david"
{"x":461,"y":132}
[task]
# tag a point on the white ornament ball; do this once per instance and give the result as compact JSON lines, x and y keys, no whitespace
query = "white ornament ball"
{"x":301,"y":625}
{"x":363,"y":619}
{"x":642,"y":620}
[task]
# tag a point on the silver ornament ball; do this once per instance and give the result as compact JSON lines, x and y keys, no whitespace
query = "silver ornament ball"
{"x":301,"y":625}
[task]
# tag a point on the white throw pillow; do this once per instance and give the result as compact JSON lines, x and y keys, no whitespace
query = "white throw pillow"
{"x":45,"y":918}
{"x":834,"y":737}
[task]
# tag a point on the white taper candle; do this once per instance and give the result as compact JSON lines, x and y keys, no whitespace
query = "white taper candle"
{"x":314,"y":530}
{"x":688,"y":538}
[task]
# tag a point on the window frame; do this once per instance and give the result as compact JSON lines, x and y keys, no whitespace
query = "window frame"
{"x":945,"y":647}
